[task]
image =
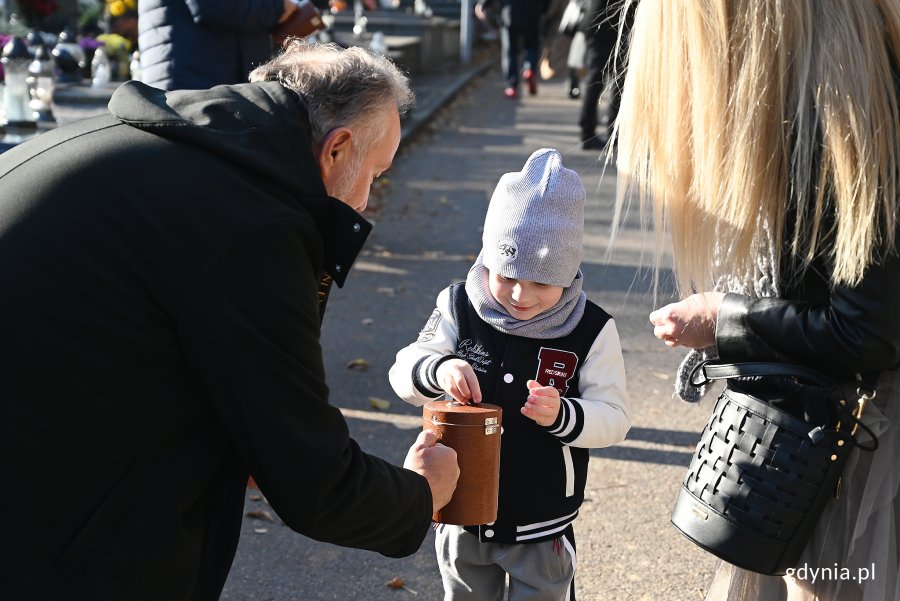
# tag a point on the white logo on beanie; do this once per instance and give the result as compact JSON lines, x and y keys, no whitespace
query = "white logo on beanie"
{"x":507,"y":250}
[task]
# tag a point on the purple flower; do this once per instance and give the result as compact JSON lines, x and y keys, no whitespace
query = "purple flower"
{"x":3,"y":40}
{"x":89,"y":43}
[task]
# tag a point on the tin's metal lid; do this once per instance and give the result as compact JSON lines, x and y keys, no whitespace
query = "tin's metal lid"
{"x":452,"y":412}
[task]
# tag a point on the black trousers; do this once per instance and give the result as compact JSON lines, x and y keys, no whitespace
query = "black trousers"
{"x":512,"y":41}
{"x":600,"y":43}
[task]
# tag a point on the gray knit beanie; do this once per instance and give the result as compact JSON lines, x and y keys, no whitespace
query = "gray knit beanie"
{"x":534,"y":224}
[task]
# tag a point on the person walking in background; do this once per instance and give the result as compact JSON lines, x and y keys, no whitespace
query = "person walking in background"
{"x":568,"y":35}
{"x":164,"y":286}
{"x":600,"y":27}
{"x":520,"y":333}
{"x":766,"y":134}
{"x":520,"y":30}
{"x":197,"y":44}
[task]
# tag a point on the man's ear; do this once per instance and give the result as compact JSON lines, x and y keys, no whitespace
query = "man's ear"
{"x":335,"y":148}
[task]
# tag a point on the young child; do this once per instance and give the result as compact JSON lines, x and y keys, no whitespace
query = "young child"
{"x":520,"y":333}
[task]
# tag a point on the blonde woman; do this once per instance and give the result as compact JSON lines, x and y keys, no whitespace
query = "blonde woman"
{"x":762,"y":136}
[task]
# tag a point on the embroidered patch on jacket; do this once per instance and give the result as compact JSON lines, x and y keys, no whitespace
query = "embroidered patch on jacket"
{"x":474,"y":353}
{"x":556,"y":368}
{"x":431,"y":326}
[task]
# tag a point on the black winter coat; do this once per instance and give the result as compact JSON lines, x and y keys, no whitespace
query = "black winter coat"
{"x":159,"y":313}
{"x":198,"y":44}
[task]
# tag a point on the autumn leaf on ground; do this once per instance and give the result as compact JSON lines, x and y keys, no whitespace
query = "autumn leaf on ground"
{"x":381,"y":404}
{"x":261,"y":514}
{"x":358,"y":364}
{"x":397,"y":582}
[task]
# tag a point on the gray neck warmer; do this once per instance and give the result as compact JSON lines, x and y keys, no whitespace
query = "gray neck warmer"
{"x":555,"y":322}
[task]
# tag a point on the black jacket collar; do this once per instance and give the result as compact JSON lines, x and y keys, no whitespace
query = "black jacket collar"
{"x":344,"y":236}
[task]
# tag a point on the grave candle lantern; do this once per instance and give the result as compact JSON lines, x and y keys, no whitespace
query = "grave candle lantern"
{"x":15,"y":58}
{"x":41,"y":83}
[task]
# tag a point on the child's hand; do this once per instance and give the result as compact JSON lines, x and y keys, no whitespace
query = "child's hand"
{"x":458,"y":379}
{"x":542,"y":405}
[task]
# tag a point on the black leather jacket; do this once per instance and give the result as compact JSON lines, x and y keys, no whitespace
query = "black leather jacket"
{"x":840,"y":331}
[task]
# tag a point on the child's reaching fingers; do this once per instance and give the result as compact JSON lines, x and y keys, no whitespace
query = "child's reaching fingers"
{"x":542,"y":408}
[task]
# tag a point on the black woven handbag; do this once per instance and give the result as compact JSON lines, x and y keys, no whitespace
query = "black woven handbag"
{"x":767,"y":462}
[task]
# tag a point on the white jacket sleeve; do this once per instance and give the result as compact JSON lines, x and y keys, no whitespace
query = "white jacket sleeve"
{"x":600,"y":417}
{"x":414,"y":373}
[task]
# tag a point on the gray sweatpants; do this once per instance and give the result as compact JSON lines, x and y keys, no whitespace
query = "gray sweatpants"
{"x":475,"y":571}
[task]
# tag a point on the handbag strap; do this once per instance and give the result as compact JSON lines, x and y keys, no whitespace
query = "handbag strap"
{"x":724,"y":371}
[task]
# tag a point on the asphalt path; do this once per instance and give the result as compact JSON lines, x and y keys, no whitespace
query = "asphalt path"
{"x":428,"y":212}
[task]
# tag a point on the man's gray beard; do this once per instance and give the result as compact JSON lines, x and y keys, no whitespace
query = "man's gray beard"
{"x":344,"y":188}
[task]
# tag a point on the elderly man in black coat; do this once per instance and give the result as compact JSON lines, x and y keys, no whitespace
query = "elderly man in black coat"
{"x":164,"y":269}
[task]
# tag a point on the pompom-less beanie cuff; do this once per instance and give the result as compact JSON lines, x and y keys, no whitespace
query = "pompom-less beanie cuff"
{"x":535,"y":222}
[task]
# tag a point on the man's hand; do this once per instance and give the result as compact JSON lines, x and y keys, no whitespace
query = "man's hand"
{"x":458,"y":379}
{"x":299,"y":20}
{"x":690,"y":323}
{"x":542,"y":405}
{"x":437,"y":463}
{"x":289,"y":8}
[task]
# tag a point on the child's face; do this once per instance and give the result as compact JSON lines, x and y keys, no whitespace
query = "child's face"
{"x":521,"y":298}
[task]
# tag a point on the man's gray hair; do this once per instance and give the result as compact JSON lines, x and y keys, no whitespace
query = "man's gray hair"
{"x":342,"y":87}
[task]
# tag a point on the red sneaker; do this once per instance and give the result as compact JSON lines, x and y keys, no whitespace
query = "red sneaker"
{"x":531,"y":80}
{"x":510,"y":93}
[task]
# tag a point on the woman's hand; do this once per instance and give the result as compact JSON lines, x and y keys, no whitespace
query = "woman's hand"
{"x":458,"y":379}
{"x":690,"y":323}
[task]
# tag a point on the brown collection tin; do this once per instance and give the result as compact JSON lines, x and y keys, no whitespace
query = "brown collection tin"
{"x":473,"y":431}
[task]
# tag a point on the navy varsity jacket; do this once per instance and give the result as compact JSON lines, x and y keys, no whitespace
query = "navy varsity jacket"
{"x":543,"y":470}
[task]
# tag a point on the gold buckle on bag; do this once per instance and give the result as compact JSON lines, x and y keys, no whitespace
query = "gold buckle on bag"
{"x":864,"y":397}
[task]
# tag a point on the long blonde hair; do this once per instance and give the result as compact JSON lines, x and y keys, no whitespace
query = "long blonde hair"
{"x":739,"y":115}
